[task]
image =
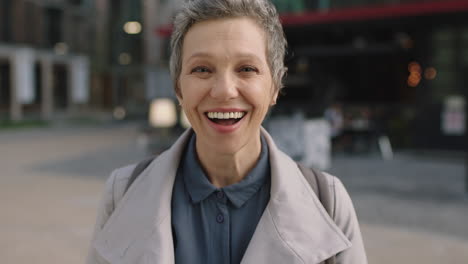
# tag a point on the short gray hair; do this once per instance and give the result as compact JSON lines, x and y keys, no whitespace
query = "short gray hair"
{"x":262,"y":12}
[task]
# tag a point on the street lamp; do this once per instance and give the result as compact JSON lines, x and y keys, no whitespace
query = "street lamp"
{"x":61,"y":48}
{"x":132,"y":27}
{"x":125,"y":58}
{"x":163,"y":118}
{"x":163,"y":113}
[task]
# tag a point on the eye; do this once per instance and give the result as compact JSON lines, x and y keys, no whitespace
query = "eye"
{"x":200,"y":69}
{"x":248,"y":69}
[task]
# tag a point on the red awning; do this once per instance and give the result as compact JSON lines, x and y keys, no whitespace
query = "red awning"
{"x":374,"y":12}
{"x":361,"y":13}
{"x":164,"y":31}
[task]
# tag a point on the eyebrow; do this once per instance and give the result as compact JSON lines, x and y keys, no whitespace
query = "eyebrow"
{"x":243,"y":55}
{"x":199,"y":54}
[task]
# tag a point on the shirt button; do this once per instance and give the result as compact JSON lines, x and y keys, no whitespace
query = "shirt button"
{"x":220,"y":218}
{"x":220,"y":195}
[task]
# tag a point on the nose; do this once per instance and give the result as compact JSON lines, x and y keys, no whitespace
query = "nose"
{"x":224,"y":87}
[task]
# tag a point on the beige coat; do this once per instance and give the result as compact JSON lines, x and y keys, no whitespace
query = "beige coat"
{"x":294,"y":228}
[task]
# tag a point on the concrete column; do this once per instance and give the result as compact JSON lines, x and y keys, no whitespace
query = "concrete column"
{"x":71,"y":107}
{"x":16,"y":111}
{"x":22,"y":76}
{"x":151,"y":41}
{"x":102,"y":60}
{"x":79,"y":80}
{"x":151,"y":45}
{"x":47,"y":89}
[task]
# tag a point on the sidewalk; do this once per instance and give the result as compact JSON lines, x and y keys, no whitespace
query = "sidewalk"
{"x":412,"y":210}
{"x":411,"y":191}
{"x":50,"y":185}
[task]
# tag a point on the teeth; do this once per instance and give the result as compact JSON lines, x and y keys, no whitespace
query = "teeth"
{"x":225,"y":115}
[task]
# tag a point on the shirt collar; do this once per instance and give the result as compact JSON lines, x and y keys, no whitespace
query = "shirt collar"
{"x":199,"y":187}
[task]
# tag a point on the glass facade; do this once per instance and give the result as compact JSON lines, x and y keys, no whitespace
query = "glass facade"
{"x":5,"y":21}
{"x":295,"y":6}
{"x":403,"y":69}
{"x":443,"y":59}
{"x":449,"y":57}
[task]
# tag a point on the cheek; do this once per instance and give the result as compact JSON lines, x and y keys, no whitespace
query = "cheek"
{"x":190,"y":101}
{"x":185,"y":93}
{"x":261,"y":96}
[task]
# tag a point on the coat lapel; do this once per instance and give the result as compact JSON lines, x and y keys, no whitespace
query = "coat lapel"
{"x":295,"y":228}
{"x":139,"y":230}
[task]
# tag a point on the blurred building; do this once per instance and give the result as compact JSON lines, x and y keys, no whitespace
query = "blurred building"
{"x":131,"y":64}
{"x":44,"y":62}
{"x":62,"y":56}
{"x":397,"y":67}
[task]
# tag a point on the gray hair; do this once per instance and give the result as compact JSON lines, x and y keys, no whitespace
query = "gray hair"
{"x":262,"y":12}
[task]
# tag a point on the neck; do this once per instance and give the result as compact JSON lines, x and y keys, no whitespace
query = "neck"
{"x":225,"y":169}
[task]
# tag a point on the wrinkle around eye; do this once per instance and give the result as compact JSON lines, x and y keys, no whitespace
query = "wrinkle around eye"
{"x":200,"y":69}
{"x":248,"y":69}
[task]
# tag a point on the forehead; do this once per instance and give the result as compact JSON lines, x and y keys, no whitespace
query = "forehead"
{"x":226,"y":37}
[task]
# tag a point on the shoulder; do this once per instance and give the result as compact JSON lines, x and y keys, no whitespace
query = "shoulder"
{"x":122,"y":173}
{"x":119,"y":178}
{"x":114,"y":187}
{"x":343,"y":204}
{"x":335,"y":185}
{"x":346,"y":219}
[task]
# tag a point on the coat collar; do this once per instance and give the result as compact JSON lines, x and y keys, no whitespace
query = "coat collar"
{"x":294,"y":228}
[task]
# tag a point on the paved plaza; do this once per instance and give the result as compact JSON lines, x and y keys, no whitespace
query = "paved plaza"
{"x":412,"y":209}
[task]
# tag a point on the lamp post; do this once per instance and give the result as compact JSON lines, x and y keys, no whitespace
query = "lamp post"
{"x":163,"y":118}
{"x":132,"y":27}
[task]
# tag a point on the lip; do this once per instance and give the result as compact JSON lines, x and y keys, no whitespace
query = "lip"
{"x":225,"y":129}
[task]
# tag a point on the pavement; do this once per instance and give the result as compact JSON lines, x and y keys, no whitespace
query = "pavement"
{"x":412,"y":209}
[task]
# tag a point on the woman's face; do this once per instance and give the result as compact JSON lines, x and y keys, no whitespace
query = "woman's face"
{"x":225,"y":85}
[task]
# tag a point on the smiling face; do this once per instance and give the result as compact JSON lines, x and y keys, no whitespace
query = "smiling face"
{"x":225,"y":86}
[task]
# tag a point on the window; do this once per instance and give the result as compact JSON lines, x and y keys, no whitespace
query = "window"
{"x":5,"y":20}
{"x":75,"y":2}
{"x":54,"y":26}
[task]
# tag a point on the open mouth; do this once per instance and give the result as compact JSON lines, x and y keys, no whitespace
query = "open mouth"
{"x":225,"y":118}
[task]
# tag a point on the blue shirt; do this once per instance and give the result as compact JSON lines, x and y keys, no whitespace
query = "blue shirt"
{"x":215,"y":225}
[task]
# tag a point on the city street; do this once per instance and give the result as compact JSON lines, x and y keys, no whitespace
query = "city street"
{"x":412,"y":209}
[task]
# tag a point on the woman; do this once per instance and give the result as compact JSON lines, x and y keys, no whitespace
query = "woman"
{"x":224,"y":193}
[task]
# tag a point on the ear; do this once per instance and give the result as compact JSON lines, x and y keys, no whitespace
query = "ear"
{"x":179,"y":99}
{"x":274,"y":97}
{"x":178,"y":93}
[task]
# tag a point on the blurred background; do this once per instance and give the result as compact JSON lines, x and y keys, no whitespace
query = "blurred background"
{"x":375,"y":94}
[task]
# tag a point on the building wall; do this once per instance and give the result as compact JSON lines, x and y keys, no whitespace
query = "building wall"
{"x":44,"y":49}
